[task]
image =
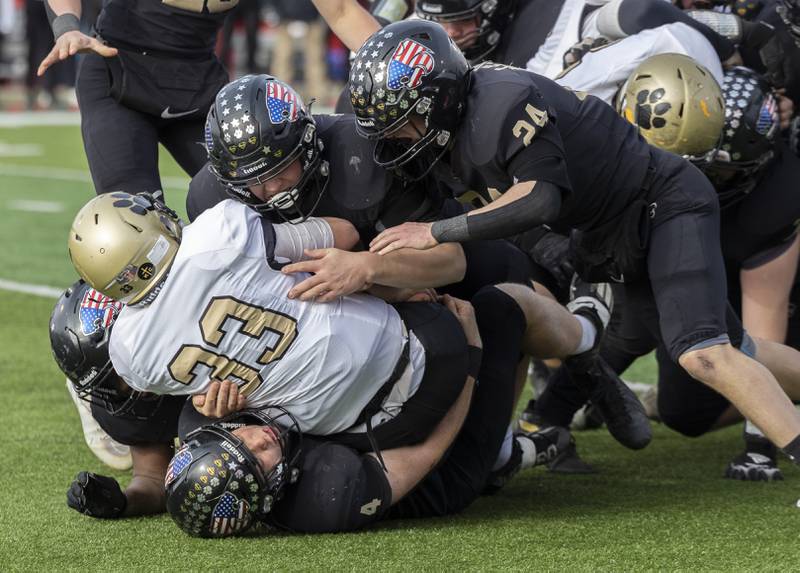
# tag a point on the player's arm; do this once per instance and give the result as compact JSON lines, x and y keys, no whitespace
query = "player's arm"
{"x":627,"y":17}
{"x":65,"y":16}
{"x":101,"y":496}
{"x":294,"y":242}
{"x":348,"y":20}
{"x":340,"y":273}
{"x":528,"y":149}
{"x":523,"y":206}
{"x":765,"y":294}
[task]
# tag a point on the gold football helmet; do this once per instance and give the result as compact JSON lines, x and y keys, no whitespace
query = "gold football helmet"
{"x":123,"y":244}
{"x":676,"y":103}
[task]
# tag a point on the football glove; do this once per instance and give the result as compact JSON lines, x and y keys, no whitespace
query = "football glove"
{"x":96,"y":496}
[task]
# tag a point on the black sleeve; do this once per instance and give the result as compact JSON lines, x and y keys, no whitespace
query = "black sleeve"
{"x":160,"y":428}
{"x":338,"y":490}
{"x":205,"y":191}
{"x":637,"y":15}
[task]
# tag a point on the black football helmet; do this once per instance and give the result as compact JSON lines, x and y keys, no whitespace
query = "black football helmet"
{"x":749,"y":136}
{"x":789,"y":11}
{"x":80,"y":326}
{"x":492,"y":18}
{"x":257,"y":126}
{"x":215,"y":485}
{"x":409,"y":68}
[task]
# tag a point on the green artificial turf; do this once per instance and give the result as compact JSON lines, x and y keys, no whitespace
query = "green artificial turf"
{"x":665,"y":508}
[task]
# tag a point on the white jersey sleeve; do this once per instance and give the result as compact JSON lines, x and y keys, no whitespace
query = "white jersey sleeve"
{"x":602,"y":71}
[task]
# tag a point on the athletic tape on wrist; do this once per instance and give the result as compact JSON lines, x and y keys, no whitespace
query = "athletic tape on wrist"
{"x":65,"y":23}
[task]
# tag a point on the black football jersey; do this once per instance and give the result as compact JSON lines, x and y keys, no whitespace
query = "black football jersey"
{"x":338,"y":489}
{"x":548,"y":133}
{"x":182,"y":27}
{"x":161,"y":428}
{"x":533,"y":20}
{"x":358,"y":190}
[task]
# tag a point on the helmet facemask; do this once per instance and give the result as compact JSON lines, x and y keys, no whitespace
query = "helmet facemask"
{"x":216,"y":486}
{"x":80,"y":327}
{"x":257,"y":128}
{"x":406,"y":74}
{"x":491,"y":16}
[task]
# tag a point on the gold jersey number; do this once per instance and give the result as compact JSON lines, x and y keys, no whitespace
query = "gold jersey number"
{"x":256,"y":321}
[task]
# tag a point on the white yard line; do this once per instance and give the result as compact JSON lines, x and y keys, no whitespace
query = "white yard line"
{"x":35,"y":206}
{"x":78,"y":175}
{"x":26,"y":288}
{"x":12,"y":120}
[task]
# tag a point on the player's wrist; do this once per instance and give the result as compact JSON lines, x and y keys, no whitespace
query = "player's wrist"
{"x":64,"y":23}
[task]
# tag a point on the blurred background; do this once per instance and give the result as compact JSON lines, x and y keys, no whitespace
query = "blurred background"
{"x":286,"y":38}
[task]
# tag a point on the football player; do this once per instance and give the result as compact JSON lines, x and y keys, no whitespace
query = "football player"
{"x":331,"y":365}
{"x":252,"y":468}
{"x":740,"y":153}
{"x":79,"y":339}
{"x":342,"y":180}
{"x":149,"y":73}
{"x":632,"y":205}
{"x":532,"y":33}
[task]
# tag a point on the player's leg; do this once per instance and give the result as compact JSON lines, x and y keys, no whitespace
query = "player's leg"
{"x":183,"y":138}
{"x":107,"y":450}
{"x":121,"y":144}
{"x":462,"y":476}
{"x":554,"y":332}
{"x":688,"y":279}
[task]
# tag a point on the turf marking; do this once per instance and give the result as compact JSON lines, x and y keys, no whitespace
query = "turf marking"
{"x":20,"y":149}
{"x":77,"y":175}
{"x":27,"y":288}
{"x":35,"y":206}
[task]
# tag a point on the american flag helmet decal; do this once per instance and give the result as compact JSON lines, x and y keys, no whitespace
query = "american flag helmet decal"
{"x":409,"y":63}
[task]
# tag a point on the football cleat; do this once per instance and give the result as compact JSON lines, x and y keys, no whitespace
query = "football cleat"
{"x":752,"y":466}
{"x":592,"y":300}
{"x":623,"y":413}
{"x":107,"y":450}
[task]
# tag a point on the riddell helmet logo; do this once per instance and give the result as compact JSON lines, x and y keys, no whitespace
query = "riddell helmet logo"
{"x":432,"y":8}
{"x":252,"y":168}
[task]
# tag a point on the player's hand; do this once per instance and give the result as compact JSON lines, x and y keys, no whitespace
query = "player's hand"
{"x":96,"y":496}
{"x":71,"y":43}
{"x":408,"y":235}
{"x":785,"y":109}
{"x":465,"y":314}
{"x":336,"y":273}
{"x":733,"y":61}
{"x":221,"y":399}
{"x":551,"y":252}
{"x":576,"y":52}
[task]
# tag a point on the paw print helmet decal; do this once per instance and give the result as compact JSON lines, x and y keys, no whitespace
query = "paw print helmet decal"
{"x":676,"y":103}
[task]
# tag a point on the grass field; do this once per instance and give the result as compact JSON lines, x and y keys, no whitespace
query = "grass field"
{"x":664,"y":508}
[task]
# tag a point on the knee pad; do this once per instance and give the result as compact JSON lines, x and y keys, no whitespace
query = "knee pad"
{"x":495,"y":308}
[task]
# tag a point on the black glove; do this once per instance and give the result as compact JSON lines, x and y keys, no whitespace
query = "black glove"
{"x":96,"y":496}
{"x":576,"y":52}
{"x":551,"y":251}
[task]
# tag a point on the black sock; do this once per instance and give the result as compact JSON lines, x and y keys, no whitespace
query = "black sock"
{"x":792,"y":449}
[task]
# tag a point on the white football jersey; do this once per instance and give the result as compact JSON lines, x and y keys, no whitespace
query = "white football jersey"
{"x":603,"y":71}
{"x":223,"y":313}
